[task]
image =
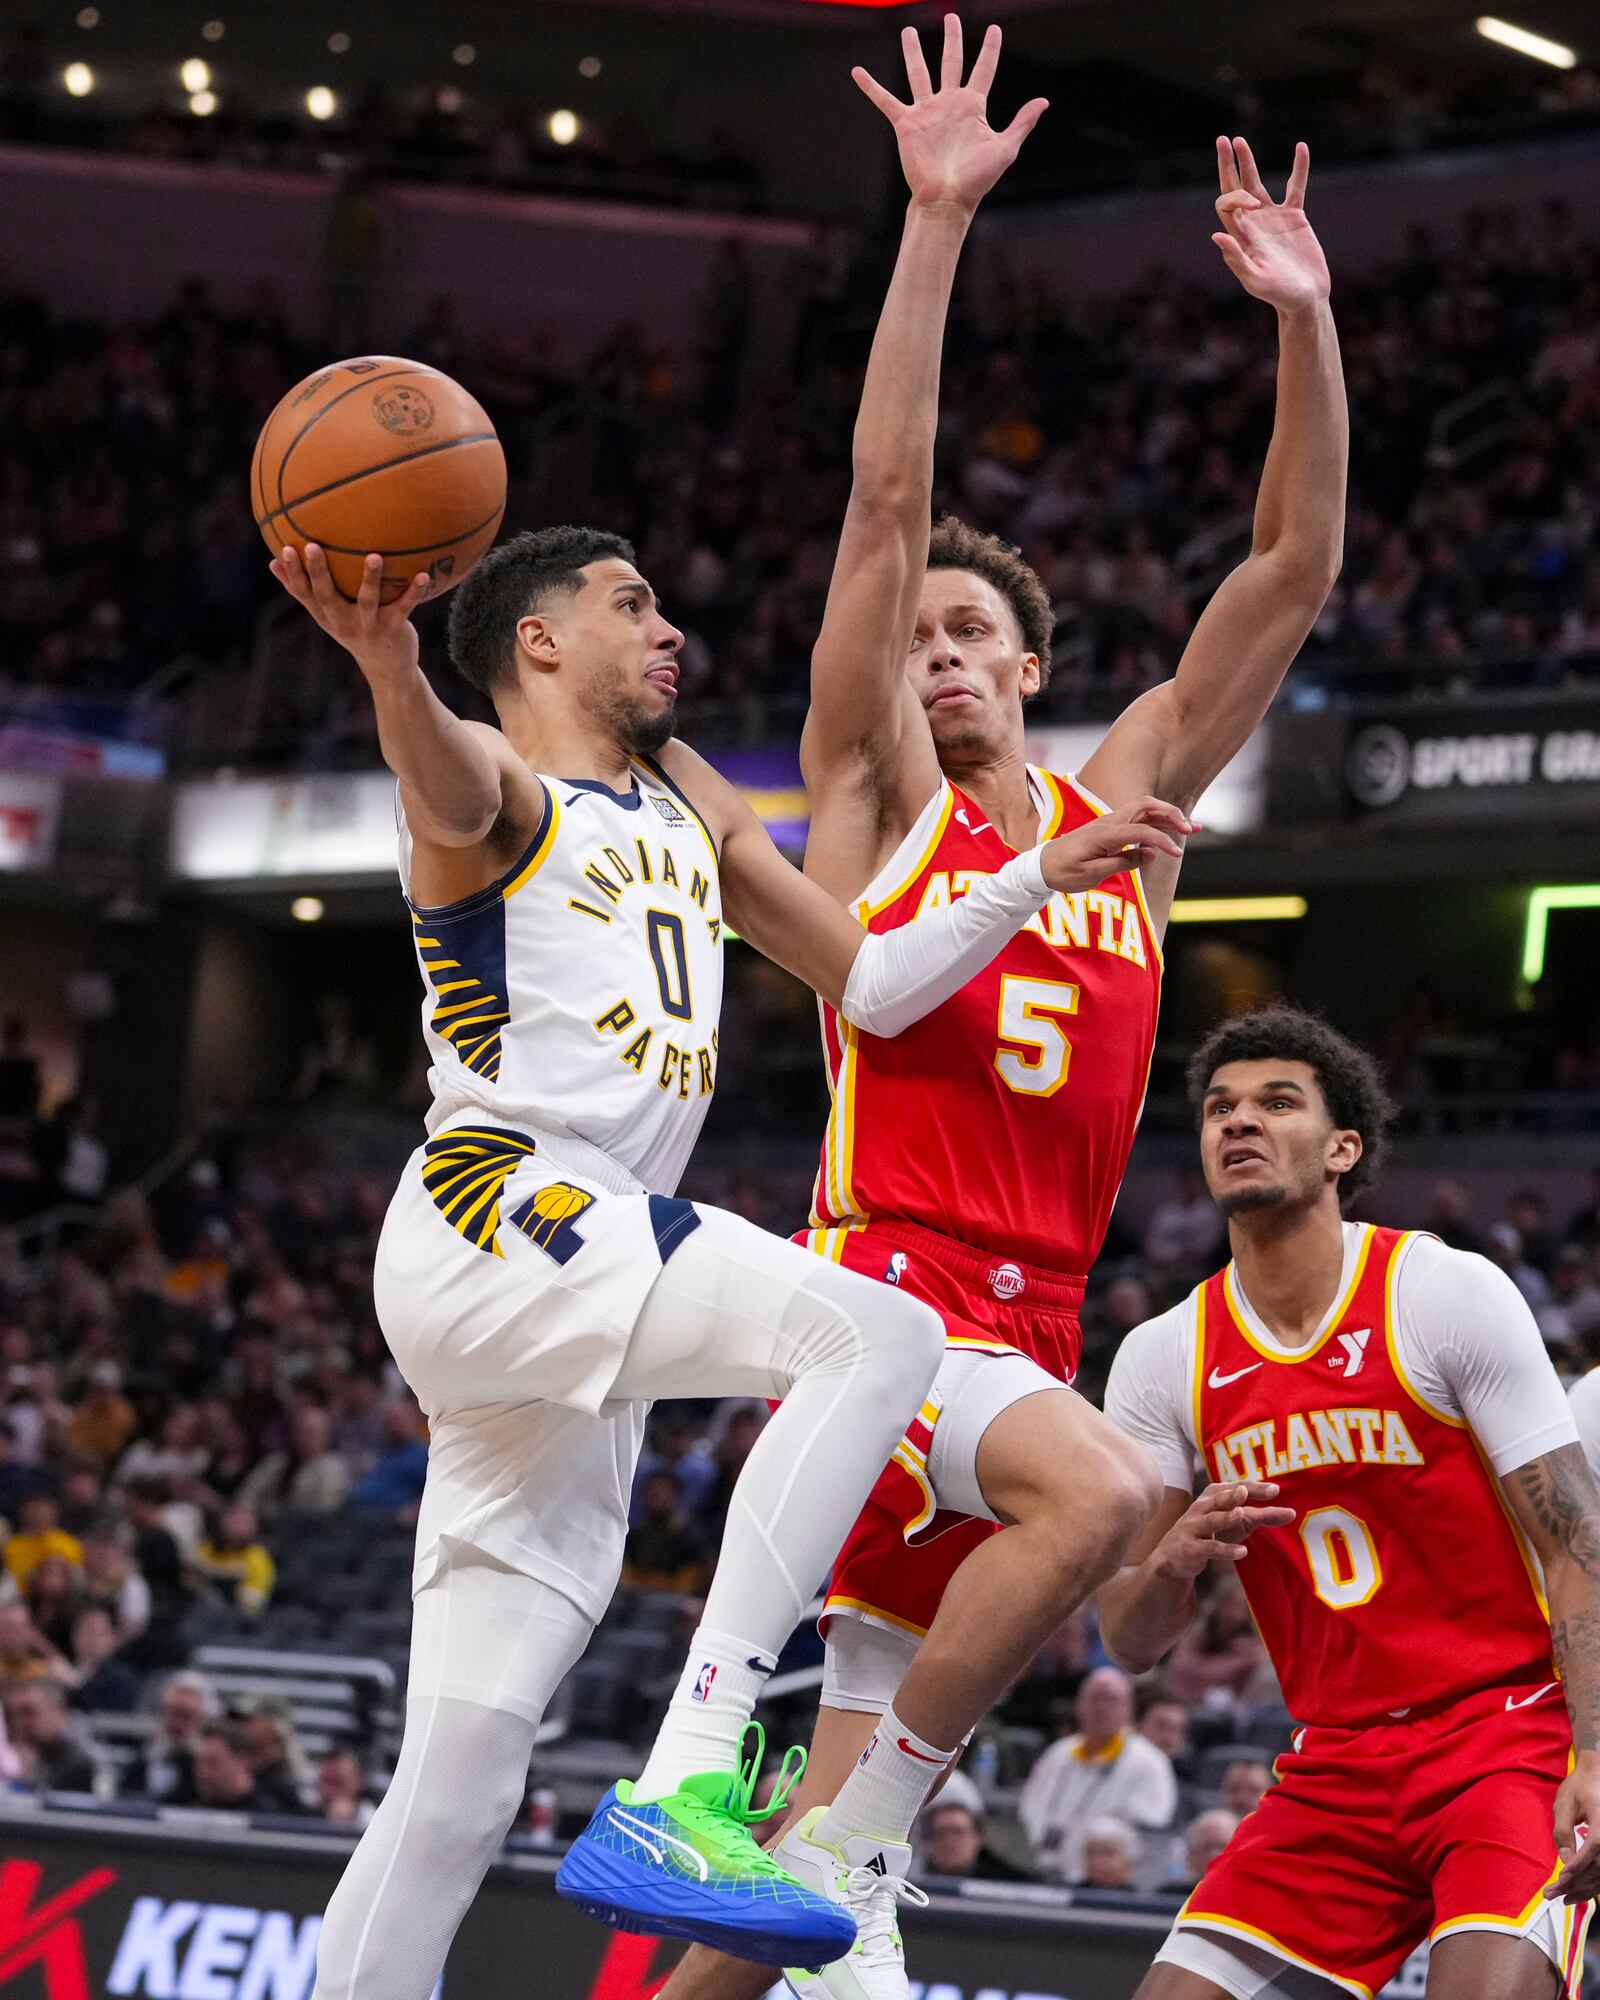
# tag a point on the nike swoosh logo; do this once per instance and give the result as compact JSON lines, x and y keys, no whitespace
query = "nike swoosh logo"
{"x":1217,"y":1381}
{"x":902,"y":1744}
{"x":1528,"y":1700}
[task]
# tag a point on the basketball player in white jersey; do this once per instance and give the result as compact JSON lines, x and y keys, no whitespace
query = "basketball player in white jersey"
{"x":538,"y":1281}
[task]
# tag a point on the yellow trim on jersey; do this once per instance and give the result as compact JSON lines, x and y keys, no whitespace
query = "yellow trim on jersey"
{"x":1202,"y":1919}
{"x":1327,"y":1333}
{"x":1050,"y":784}
{"x":839,"y":1139}
{"x":1487,"y":1920}
{"x":1389,"y":1321}
{"x":1530,"y":1561}
{"x":1134,"y":876}
{"x":1577,"y":1934}
{"x":913,"y":1462}
{"x":827,"y":1243}
{"x":1200,"y":1373}
{"x":973,"y":1345}
{"x":541,"y":854}
{"x":870,"y":1614}
{"x":865,"y":911}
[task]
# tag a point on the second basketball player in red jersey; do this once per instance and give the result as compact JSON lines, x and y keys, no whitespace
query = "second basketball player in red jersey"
{"x":1395,"y":1471}
{"x":976,"y":1162}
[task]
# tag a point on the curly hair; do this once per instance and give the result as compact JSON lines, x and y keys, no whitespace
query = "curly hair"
{"x":512,"y":581}
{"x":1350,"y":1081}
{"x":957,"y":545}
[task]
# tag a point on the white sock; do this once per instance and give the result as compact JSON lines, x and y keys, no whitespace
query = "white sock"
{"x":709,"y":1710}
{"x":888,"y":1787}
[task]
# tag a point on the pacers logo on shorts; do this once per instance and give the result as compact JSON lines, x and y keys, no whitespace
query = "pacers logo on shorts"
{"x":465,"y":1169}
{"x":546,"y":1218}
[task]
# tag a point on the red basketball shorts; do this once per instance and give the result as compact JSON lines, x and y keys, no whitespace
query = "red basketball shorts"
{"x":1374,"y":1839}
{"x":904,"y":1548}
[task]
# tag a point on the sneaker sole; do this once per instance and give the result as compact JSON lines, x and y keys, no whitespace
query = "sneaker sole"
{"x":632,"y":1908}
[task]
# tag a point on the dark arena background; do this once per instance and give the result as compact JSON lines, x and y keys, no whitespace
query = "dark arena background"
{"x":652,"y":241}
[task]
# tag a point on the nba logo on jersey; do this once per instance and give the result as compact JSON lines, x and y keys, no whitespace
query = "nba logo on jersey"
{"x":897,"y":1268}
{"x":703,"y":1680}
{"x":1006,"y":1281}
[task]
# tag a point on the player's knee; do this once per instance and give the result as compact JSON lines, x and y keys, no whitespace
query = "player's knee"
{"x":1127,"y":1487}
{"x":907,"y":1338}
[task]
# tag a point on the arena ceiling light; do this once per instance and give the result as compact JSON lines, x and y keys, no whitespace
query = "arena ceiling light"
{"x":1237,"y":909}
{"x":202,"y":103}
{"x":306,"y":909}
{"x":77,"y":79}
{"x":1565,"y":896}
{"x":1523,"y":42}
{"x":88,"y":17}
{"x":321,"y":102}
{"x":563,"y":127}
{"x":195,"y":75}
{"x":213,"y":31}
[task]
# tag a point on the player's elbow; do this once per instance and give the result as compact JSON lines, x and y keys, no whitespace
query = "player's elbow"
{"x":1302,"y":569}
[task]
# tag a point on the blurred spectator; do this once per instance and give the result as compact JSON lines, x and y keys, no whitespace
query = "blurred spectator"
{"x":234,"y":1562}
{"x":166,"y":1770}
{"x":1204,"y":1841}
{"x":1104,"y":1767}
{"x":160,"y":1566}
{"x":1220,"y":1654}
{"x":39,"y":1534}
{"x":1166,"y":1724}
{"x":1244,"y":1785}
{"x":1502,"y":1245}
{"x":309,"y":1477}
{"x":394,"y":1483}
{"x":1110,"y":1854}
{"x":222,"y":1775}
{"x":25,"y":1653}
{"x":1570,"y":1317}
{"x":104,"y":1419}
{"x":952,"y":1843}
{"x":1186,"y":1232}
{"x":665,"y":1551}
{"x":1529,"y":1216}
{"x":1450,"y":1218}
{"x":41,"y":1731}
{"x":177,"y":1456}
{"x":101,"y":1683}
{"x":21,"y":1086}
{"x":1583,"y":1224}
{"x":264,"y":1731}
{"x":53,"y":1597}
{"x":342,"y":1789}
{"x":16,"y":1479}
{"x":672,"y":1447}
{"x":738,"y":1426}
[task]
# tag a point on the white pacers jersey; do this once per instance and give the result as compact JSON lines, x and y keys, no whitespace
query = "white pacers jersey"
{"x":582,"y":991}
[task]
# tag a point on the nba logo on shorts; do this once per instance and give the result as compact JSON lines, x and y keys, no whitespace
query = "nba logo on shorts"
{"x":702,"y":1682}
{"x":897,"y":1268}
{"x":1006,"y":1281}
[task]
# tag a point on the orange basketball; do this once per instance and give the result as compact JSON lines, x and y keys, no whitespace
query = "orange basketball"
{"x":380,"y":456}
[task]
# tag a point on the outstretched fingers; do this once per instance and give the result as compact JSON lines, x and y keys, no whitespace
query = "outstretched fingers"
{"x":1025,"y":120}
{"x":1227,"y":167}
{"x":988,"y":61}
{"x":1249,"y":175}
{"x":886,"y":101}
{"x":951,"y":55}
{"x":916,"y":65}
{"x":1295,"y":193}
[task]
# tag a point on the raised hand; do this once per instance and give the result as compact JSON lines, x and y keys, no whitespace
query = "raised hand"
{"x":949,"y":153}
{"x":379,"y":637}
{"x":1126,"y":838}
{"x":1216,"y":1528}
{"x":1269,"y":246}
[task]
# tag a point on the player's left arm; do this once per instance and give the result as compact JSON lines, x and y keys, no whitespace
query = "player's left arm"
{"x":1174,"y":740}
{"x":882,"y":983}
{"x":1554,"y":1500}
{"x":1466,"y":1335}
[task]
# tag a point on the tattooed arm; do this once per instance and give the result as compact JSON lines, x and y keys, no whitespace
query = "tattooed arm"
{"x":1555,"y":1501}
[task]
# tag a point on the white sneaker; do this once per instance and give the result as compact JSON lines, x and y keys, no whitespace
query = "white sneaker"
{"x":868,"y":1877}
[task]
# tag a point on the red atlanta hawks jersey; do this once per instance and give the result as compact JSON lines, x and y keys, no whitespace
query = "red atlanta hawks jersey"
{"x":1003,"y":1118}
{"x":1403,"y":1581}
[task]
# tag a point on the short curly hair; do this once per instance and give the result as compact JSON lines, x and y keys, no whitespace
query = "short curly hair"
{"x":1350,"y":1081}
{"x":507,"y":584}
{"x":957,"y":545}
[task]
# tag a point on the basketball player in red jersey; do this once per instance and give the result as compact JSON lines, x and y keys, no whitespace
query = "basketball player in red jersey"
{"x":978,"y":1165}
{"x":1398,"y":1477}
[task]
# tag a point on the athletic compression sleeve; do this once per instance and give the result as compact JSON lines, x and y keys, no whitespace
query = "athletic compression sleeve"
{"x":902,"y":974}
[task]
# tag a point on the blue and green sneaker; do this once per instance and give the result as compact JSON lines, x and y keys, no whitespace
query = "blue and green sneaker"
{"x":686,"y":1866}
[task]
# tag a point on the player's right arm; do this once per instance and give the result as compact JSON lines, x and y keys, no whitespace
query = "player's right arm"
{"x":462,"y":785}
{"x":1149,"y":1602}
{"x":867,"y":753}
